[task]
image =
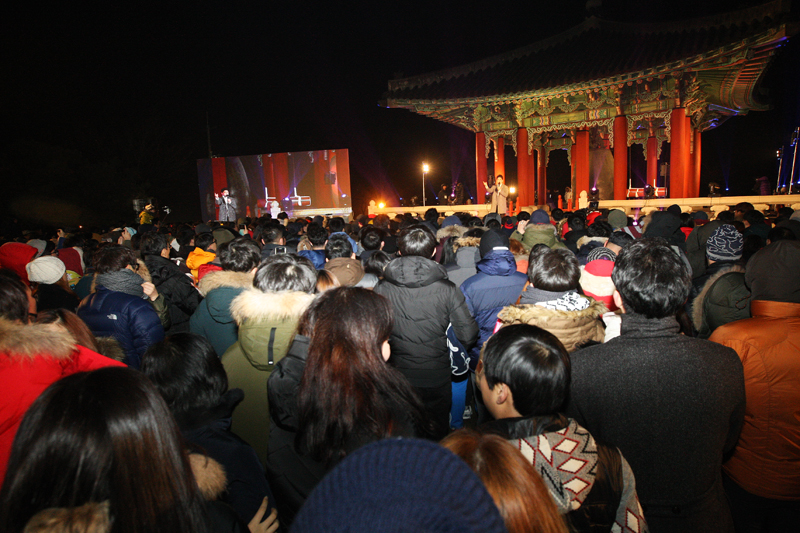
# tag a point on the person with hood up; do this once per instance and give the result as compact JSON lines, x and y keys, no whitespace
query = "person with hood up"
{"x":762,"y":476}
{"x":537,"y":230}
{"x":467,"y":254}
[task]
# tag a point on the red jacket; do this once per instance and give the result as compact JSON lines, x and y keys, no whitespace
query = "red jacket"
{"x":31,"y":358}
{"x":766,"y":461}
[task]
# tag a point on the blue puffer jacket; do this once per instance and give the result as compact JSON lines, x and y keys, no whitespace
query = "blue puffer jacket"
{"x":316,"y":256}
{"x":496,"y":285}
{"x":129,"y":319}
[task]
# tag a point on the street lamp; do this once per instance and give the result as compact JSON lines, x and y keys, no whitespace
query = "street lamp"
{"x":425,"y":169}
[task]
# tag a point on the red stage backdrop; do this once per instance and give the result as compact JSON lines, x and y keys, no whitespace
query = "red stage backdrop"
{"x":296,"y":180}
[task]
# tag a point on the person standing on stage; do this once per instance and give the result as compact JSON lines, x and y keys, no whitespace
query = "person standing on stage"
{"x":499,"y":195}
{"x":227,"y":206}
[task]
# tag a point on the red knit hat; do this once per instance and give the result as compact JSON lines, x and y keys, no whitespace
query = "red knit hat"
{"x":15,"y":255}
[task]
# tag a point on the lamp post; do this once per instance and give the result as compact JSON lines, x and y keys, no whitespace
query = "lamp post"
{"x":425,"y":169}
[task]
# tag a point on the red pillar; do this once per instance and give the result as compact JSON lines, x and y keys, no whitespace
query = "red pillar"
{"x":500,"y":158}
{"x":677,"y":153}
{"x":696,"y":159}
{"x":620,"y":157}
{"x":481,"y":172}
{"x":542,"y":185}
{"x":581,"y":162}
{"x":523,"y":170}
{"x":532,"y":177}
{"x":652,"y":161}
{"x":688,"y":177}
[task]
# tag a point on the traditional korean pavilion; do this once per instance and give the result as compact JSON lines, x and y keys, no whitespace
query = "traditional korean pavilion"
{"x":600,"y":87}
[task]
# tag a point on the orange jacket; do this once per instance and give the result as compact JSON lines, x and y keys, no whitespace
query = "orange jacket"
{"x":766,"y":461}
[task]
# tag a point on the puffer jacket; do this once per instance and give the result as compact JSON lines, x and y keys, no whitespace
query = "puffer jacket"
{"x":536,"y":234}
{"x":597,"y":492}
{"x":425,"y":302}
{"x":181,"y":296}
{"x":496,"y":285}
{"x":212,"y":319}
{"x":33,"y":356}
{"x":573,"y":328}
{"x":467,"y":256}
{"x":267,"y":324}
{"x":722,"y":299}
{"x":766,"y":460}
{"x":129,"y":319}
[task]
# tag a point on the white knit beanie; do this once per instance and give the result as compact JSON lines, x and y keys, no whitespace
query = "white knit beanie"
{"x":47,"y":269}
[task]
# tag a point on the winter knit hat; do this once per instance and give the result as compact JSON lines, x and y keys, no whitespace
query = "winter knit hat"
{"x":617,"y":219}
{"x":452,"y":220}
{"x":539,"y":216}
{"x":601,"y":252}
{"x":398,"y":485}
{"x":725,"y":244}
{"x":493,"y":239}
{"x":15,"y":255}
{"x":48,"y":269}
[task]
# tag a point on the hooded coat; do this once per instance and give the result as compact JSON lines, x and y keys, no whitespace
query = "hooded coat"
{"x":723,"y":298}
{"x":213,"y":319}
{"x":32,"y":357}
{"x":425,"y":302}
{"x":267,"y":324}
{"x":496,"y":285}
{"x":573,"y":328}
{"x":536,"y":234}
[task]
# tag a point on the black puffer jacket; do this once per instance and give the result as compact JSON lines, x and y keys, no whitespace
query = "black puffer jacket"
{"x":181,"y":296}
{"x":425,"y":302}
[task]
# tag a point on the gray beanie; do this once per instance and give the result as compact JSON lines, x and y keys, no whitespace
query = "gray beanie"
{"x":725,"y":244}
{"x":47,"y":269}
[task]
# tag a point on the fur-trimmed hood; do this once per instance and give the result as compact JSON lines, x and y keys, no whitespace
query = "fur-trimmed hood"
{"x":699,"y":302}
{"x":573,"y":328}
{"x":225,"y":278}
{"x":209,"y":474}
{"x":464,"y":242}
{"x":254,"y":304}
{"x":450,"y":231}
{"x":34,"y":340}
{"x":586,"y":240}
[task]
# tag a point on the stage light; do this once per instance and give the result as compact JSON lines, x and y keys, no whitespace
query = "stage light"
{"x":594,"y":194}
{"x":425,"y":167}
{"x":512,"y":190}
{"x":381,"y":205}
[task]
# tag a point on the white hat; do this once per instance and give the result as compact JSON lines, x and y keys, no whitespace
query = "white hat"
{"x":47,"y":269}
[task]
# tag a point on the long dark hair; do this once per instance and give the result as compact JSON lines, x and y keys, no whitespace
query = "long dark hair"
{"x":101,"y":436}
{"x":348,"y":392}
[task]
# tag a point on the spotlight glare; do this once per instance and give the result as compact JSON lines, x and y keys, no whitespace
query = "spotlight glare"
{"x":381,"y":205}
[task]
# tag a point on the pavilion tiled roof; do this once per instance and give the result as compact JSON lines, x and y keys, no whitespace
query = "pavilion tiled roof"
{"x":596,"y":50}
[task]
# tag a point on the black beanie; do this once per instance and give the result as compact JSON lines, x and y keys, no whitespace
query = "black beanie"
{"x":493,"y":239}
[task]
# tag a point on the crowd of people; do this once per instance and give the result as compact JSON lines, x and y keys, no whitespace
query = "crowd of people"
{"x":545,"y":372}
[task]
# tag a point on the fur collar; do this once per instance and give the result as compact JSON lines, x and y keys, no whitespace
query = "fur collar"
{"x":225,"y":278}
{"x":210,"y":476}
{"x":467,"y":242}
{"x":256,"y":305}
{"x":526,"y":313}
{"x":34,"y":340}
{"x":586,"y":240}
{"x":697,"y":304}
{"x":450,"y":231}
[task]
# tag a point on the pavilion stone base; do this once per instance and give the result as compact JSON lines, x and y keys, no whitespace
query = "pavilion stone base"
{"x":630,"y":207}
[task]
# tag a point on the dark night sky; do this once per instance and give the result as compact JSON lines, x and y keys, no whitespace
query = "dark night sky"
{"x":107,"y":102}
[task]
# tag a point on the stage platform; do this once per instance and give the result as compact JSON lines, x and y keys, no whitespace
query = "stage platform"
{"x":630,"y":207}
